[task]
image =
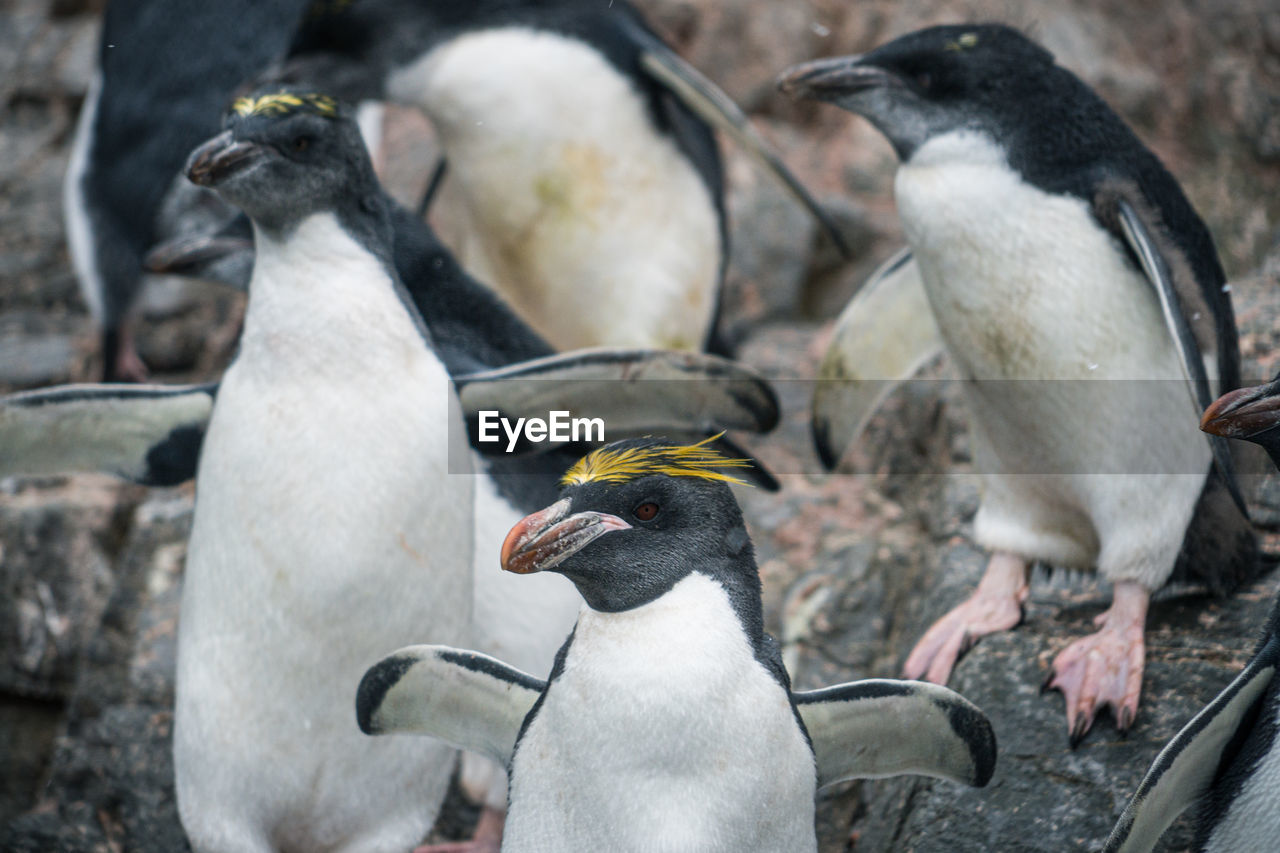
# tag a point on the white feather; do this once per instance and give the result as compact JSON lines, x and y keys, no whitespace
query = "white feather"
{"x":568,"y":200}
{"x":663,"y":733}
{"x":1025,"y":285}
{"x":75,"y":211}
{"x":328,"y":532}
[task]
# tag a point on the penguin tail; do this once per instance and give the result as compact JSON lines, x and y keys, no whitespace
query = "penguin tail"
{"x":1220,"y":549}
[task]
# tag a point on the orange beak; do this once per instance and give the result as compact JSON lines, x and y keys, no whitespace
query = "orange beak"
{"x":547,"y":538}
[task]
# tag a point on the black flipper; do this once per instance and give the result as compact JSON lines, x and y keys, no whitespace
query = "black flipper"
{"x":1174,"y":294}
{"x":713,"y":106}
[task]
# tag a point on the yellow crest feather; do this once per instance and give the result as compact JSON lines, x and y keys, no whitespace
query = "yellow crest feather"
{"x":283,"y":103}
{"x":609,"y":465}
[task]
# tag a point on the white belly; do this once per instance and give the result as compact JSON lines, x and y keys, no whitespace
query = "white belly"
{"x":328,"y":532}
{"x":521,"y":620}
{"x":1028,"y":292}
{"x":563,"y":196}
{"x":1253,"y":820}
{"x":663,"y":734}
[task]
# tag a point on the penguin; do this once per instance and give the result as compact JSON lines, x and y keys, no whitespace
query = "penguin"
{"x":363,"y":378}
{"x":165,"y":73}
{"x":1226,"y":761}
{"x":1052,"y":245}
{"x":668,"y":721}
{"x":583,"y":179}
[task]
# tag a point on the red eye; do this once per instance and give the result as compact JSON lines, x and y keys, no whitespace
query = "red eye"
{"x":646,"y":511}
{"x":301,"y":143}
{"x":925,"y":79}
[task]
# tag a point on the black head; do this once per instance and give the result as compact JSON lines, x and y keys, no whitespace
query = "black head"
{"x":634,"y":519}
{"x":1252,"y":414}
{"x":933,"y":81}
{"x":285,"y":155}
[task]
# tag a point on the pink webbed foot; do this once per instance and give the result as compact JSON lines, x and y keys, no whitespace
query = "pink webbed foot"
{"x":487,"y":838}
{"x":996,"y":605}
{"x":123,"y":362}
{"x":1105,"y":669}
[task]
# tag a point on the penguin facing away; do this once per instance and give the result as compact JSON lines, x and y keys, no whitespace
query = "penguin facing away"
{"x":165,"y":73}
{"x":668,"y":721}
{"x":583,"y":179}
{"x":362,"y":379}
{"x":1226,"y":761}
{"x":1052,"y":245}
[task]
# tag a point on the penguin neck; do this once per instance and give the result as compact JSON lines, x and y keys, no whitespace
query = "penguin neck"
{"x":322,"y":296}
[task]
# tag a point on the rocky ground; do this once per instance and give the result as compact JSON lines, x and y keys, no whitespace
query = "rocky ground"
{"x":855,"y":565}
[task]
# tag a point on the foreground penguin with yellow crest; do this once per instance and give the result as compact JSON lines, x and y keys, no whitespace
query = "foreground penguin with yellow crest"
{"x":327,"y":478}
{"x":668,"y":721}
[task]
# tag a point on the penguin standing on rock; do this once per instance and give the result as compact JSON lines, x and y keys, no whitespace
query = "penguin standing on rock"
{"x":1226,"y":761}
{"x":583,"y":177}
{"x":326,"y":471}
{"x":1052,"y":245}
{"x":668,"y":721}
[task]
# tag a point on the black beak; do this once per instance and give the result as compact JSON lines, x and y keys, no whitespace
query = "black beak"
{"x":219,"y":158}
{"x":828,"y":79}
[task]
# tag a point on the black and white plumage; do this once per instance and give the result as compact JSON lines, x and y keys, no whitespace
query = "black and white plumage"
{"x":1226,"y":761}
{"x":668,"y":718}
{"x":326,"y":471}
{"x":583,"y":179}
{"x":1052,"y":245}
{"x":165,"y":74}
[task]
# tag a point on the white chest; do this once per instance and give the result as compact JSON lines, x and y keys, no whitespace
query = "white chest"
{"x":328,"y":530}
{"x":1023,"y":283}
{"x":663,"y":733}
{"x":562,"y":192}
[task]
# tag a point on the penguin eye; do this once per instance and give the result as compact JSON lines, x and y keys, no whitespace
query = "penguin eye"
{"x":301,"y":143}
{"x":646,"y":511}
{"x":924,"y":79}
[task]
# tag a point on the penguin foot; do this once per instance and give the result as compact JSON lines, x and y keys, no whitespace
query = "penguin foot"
{"x":1105,"y":669}
{"x":487,"y":838}
{"x":121,"y":360}
{"x":996,"y":605}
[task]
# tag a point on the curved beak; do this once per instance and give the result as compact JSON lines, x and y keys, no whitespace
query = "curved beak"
{"x":219,"y":158}
{"x":1244,"y":412}
{"x":828,"y":79}
{"x":185,"y":254}
{"x":546,"y":539}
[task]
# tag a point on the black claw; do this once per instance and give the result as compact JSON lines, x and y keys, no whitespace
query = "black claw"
{"x":1123,"y":721}
{"x":1048,"y":683}
{"x":1078,"y":731}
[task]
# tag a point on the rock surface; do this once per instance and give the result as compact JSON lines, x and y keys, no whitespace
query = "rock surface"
{"x":855,"y":566}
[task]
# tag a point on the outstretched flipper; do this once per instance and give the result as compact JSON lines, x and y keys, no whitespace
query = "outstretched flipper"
{"x":150,"y":434}
{"x":633,"y":391}
{"x":1188,"y":765}
{"x":1176,"y":293}
{"x":713,"y":106}
{"x":884,"y":335}
{"x":880,"y":727}
{"x":464,"y":698}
